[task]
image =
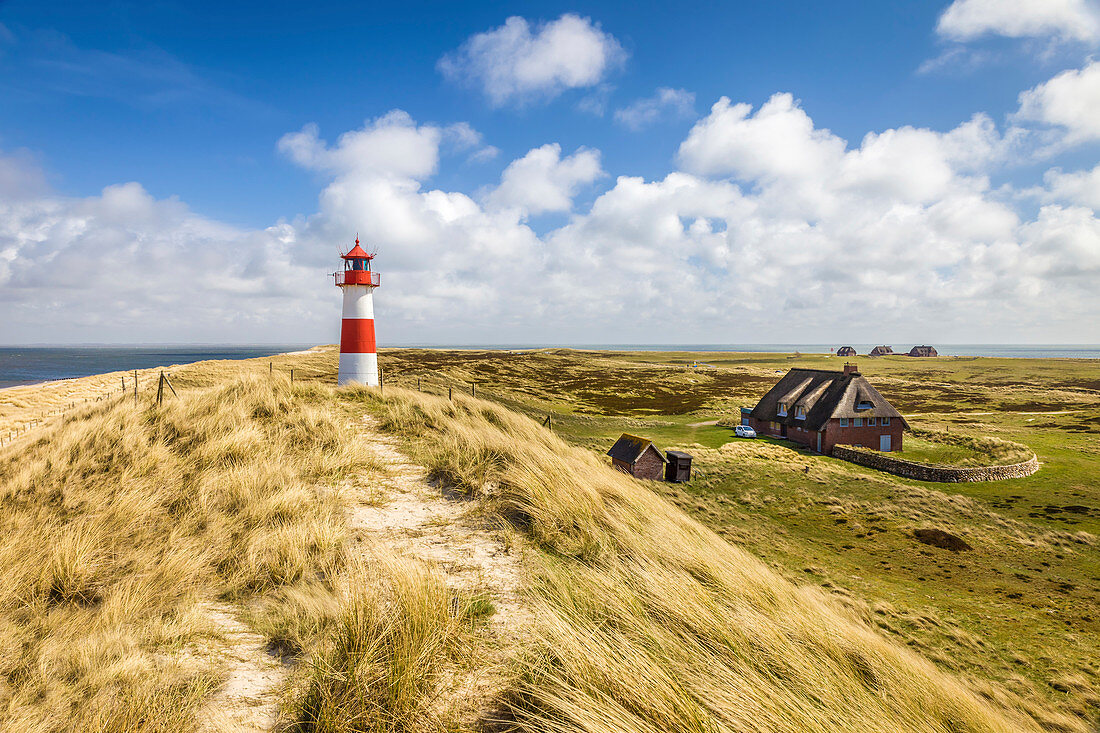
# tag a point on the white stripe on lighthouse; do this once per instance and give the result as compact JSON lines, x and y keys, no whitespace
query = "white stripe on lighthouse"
{"x":358,"y":301}
{"x":360,"y":368}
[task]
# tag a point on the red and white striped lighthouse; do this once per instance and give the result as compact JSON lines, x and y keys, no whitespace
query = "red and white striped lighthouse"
{"x":358,"y":353}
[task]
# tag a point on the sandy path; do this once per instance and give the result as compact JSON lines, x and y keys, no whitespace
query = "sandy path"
{"x":412,"y":517}
{"x":248,"y":702}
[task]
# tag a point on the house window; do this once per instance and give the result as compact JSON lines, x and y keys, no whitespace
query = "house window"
{"x":885,"y":421}
{"x":799,"y":412}
{"x":864,"y":405}
{"x":782,"y":409}
{"x":871,"y":421}
{"x":857,"y":422}
{"x":843,"y":422}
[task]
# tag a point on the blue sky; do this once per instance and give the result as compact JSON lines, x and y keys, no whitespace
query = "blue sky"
{"x":190,"y":104}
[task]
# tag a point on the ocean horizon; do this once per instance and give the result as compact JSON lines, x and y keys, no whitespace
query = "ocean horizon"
{"x":21,"y":365}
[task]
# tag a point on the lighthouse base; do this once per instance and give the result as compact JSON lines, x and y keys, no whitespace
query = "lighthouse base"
{"x":358,"y":369}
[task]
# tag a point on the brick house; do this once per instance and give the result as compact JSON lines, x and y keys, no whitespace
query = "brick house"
{"x":881,"y":351}
{"x":637,"y":457}
{"x":820,"y":409}
{"x":923,"y":351}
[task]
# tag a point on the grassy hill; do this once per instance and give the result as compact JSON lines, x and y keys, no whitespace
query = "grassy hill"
{"x":778,"y":591}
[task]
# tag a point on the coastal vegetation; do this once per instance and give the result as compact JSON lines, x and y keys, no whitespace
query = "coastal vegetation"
{"x":778,"y":590}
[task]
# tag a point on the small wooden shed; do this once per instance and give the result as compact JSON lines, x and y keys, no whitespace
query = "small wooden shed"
{"x":637,"y":457}
{"x":678,"y":467}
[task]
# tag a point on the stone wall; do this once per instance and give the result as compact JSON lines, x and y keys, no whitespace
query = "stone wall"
{"x":940,"y":474}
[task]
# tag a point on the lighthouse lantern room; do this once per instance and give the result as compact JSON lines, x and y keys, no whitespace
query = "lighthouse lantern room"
{"x":358,"y":353}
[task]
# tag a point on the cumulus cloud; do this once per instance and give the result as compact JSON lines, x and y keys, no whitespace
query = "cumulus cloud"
{"x":1070,"y":101}
{"x":137,"y":268}
{"x":1077,"y":187}
{"x":965,"y":20}
{"x":515,"y":64}
{"x":774,"y":229}
{"x":543,"y":181}
{"x":392,"y":144}
{"x":665,"y":102}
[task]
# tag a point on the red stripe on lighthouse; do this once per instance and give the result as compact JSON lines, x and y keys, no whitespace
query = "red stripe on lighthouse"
{"x":357,"y":336}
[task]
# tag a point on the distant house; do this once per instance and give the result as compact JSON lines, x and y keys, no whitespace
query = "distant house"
{"x":922,"y":351}
{"x":820,"y":409}
{"x":882,"y":351}
{"x":845,"y":351}
{"x":637,"y":457}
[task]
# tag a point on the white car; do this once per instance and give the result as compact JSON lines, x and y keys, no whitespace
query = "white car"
{"x":744,"y":431}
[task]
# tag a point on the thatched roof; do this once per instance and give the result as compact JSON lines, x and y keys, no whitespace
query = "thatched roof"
{"x":881,"y":351}
{"x":824,"y":395}
{"x":629,"y":448}
{"x":923,"y":351}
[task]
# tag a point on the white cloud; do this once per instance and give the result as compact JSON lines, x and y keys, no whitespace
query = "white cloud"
{"x":1071,"y":100}
{"x":543,"y":181}
{"x":965,"y":20}
{"x":514,"y":65}
{"x":1079,"y":187}
{"x":391,"y":144}
{"x":815,"y":239}
{"x":675,"y":103}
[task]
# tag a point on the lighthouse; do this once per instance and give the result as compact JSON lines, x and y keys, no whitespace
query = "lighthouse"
{"x":358,"y":354}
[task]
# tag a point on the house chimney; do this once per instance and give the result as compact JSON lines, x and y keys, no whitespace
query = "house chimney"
{"x":851,"y":369}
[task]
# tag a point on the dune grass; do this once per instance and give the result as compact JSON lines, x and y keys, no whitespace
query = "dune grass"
{"x":647,"y":621}
{"x":120,"y":519}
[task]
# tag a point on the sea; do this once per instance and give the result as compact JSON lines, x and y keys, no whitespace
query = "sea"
{"x":34,"y":364}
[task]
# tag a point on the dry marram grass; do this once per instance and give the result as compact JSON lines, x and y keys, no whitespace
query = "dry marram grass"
{"x":120,"y":519}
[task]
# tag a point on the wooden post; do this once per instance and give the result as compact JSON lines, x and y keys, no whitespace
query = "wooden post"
{"x":472,"y":390}
{"x":450,"y":396}
{"x":135,"y":386}
{"x":160,"y":388}
{"x":292,"y":376}
{"x":271,"y":369}
{"x":418,"y":384}
{"x":550,"y":421}
{"x":168,"y":381}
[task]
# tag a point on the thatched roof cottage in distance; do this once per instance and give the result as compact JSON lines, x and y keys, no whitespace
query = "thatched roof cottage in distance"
{"x":820,"y":409}
{"x":922,"y":351}
{"x":881,"y":351}
{"x":637,"y":457}
{"x":845,"y":351}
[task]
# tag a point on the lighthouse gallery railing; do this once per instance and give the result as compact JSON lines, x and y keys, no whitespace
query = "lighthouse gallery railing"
{"x":358,"y":277}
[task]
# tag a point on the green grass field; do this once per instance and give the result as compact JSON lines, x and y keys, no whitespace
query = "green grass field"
{"x":1022,"y":607}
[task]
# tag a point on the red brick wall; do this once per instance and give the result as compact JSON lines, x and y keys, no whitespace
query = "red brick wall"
{"x":649,"y":465}
{"x":867,"y":436}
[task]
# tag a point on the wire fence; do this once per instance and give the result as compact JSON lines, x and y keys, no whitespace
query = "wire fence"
{"x":130,"y":385}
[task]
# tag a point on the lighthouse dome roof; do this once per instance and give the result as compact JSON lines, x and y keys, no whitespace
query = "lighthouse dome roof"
{"x":357,"y":252}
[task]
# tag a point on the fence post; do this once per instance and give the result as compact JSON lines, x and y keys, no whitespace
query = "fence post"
{"x":292,"y":376}
{"x":135,"y":386}
{"x":449,"y":395}
{"x":271,"y":369}
{"x":418,"y":384}
{"x":472,"y":390}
